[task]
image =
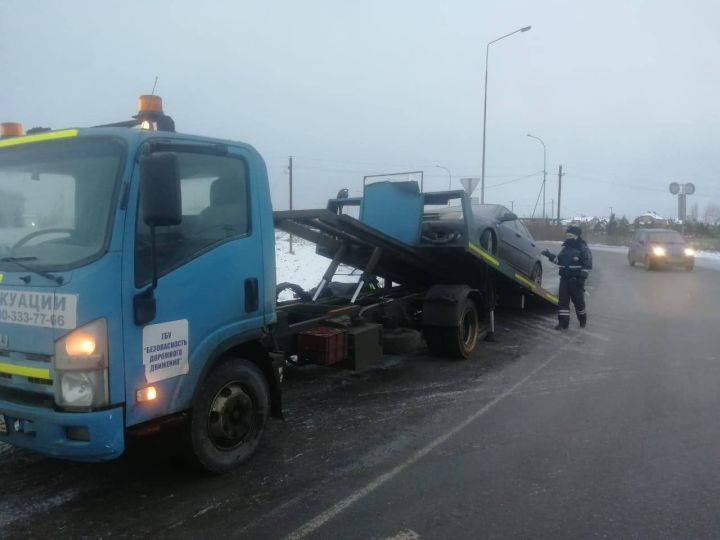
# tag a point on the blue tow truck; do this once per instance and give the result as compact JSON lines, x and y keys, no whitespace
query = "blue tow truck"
{"x":137,"y":288}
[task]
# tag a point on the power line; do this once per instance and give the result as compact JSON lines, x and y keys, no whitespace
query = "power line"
{"x":513,"y":180}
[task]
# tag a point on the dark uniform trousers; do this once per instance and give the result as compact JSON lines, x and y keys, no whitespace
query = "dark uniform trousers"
{"x":571,"y":289}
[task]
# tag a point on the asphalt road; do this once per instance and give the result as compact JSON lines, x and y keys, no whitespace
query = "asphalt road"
{"x":607,"y":432}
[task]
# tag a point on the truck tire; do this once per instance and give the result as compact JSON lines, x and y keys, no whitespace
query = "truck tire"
{"x":401,"y":340}
{"x":456,"y":341}
{"x":228,"y":416}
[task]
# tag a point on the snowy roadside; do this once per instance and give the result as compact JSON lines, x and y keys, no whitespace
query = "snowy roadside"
{"x":303,"y":266}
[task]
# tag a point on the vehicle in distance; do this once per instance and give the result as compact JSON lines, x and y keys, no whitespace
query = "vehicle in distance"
{"x":497,"y":230}
{"x":659,"y":248}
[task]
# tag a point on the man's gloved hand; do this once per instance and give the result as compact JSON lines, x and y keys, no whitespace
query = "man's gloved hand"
{"x":584,"y":274}
{"x":546,"y":252}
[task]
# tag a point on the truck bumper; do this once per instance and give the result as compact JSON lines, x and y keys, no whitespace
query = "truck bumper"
{"x":82,"y":436}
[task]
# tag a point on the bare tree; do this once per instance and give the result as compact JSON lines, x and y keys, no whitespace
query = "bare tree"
{"x":712,"y":213}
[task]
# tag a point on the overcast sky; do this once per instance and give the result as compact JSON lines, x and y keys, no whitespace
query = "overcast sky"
{"x":625,"y":94}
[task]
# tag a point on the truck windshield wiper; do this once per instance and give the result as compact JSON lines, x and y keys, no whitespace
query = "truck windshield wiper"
{"x":20,"y":261}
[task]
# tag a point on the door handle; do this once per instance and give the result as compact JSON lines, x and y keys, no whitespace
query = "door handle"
{"x":251,"y":295}
{"x":518,"y":235}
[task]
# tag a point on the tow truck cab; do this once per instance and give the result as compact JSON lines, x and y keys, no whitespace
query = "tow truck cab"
{"x":132,"y":263}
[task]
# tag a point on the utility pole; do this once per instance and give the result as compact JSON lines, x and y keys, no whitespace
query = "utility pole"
{"x":290,"y":171}
{"x":560,"y":175}
{"x":552,"y":208}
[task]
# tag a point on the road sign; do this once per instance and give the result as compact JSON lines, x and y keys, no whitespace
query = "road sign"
{"x":469,"y":184}
{"x":689,"y":188}
{"x":674,"y":188}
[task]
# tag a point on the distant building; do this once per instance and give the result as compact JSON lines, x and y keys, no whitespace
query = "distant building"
{"x":586,"y":223}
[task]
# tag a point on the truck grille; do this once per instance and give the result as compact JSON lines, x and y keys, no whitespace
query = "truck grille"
{"x":24,"y":397}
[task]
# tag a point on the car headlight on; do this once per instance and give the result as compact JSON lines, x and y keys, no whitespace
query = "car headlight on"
{"x":689,"y":252}
{"x":659,"y":251}
{"x":81,"y":367}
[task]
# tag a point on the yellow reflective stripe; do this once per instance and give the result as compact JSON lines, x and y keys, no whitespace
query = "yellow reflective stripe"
{"x":525,"y":281}
{"x":554,"y":299}
{"x":1,"y":277}
{"x":50,"y":135}
{"x":13,"y":369}
{"x":484,"y":254}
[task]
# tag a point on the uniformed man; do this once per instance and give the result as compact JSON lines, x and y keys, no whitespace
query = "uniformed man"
{"x":575,"y":262}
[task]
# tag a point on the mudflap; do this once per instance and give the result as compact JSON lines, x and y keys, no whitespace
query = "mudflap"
{"x":443,"y":304}
{"x":272,"y":368}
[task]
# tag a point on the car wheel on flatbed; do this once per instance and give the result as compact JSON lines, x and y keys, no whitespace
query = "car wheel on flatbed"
{"x":488,"y":242}
{"x":537,"y":274}
{"x":456,"y":341}
{"x":228,"y":417}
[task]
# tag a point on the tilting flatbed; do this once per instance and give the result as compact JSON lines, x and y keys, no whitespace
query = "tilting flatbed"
{"x":373,"y":249}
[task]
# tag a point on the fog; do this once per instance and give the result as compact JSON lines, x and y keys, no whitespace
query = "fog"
{"x":623,"y":94}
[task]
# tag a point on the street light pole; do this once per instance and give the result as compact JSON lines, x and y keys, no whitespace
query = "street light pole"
{"x":487,"y":57}
{"x":544,"y":168}
{"x":449,"y":176}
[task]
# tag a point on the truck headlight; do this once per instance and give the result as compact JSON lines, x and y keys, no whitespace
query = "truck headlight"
{"x":81,"y":367}
{"x":689,"y":252}
{"x":659,"y":251}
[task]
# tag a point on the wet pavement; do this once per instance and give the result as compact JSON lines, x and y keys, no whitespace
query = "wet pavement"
{"x":606,"y":432}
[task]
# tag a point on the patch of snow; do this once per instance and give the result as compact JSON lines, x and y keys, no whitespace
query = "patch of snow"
{"x":304,"y":266}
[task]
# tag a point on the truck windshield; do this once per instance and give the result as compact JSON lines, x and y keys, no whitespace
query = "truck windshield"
{"x":55,"y":201}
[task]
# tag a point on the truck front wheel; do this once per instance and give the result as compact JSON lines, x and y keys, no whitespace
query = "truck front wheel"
{"x":456,"y":341}
{"x":229,"y":416}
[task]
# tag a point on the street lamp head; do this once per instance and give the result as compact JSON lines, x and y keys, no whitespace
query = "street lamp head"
{"x":525,"y":28}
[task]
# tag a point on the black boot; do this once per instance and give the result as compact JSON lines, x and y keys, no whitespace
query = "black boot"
{"x":583,"y":320}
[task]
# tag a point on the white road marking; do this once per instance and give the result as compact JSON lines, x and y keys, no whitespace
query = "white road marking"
{"x":594,"y":335}
{"x":405,"y":534}
{"x":322,"y":518}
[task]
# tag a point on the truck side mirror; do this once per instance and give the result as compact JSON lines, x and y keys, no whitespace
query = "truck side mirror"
{"x":160,"y":206}
{"x":160,"y":201}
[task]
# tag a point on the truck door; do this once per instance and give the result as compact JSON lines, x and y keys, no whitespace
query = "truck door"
{"x":210,"y":284}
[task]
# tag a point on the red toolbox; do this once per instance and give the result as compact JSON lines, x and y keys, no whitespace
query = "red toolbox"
{"x":323,"y":345}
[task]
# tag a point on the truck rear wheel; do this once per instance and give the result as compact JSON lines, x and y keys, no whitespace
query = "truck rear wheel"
{"x":457,"y":341}
{"x":229,"y":416}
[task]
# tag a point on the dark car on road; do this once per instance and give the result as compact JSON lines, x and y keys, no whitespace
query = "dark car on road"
{"x":659,"y":248}
{"x":497,"y":230}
